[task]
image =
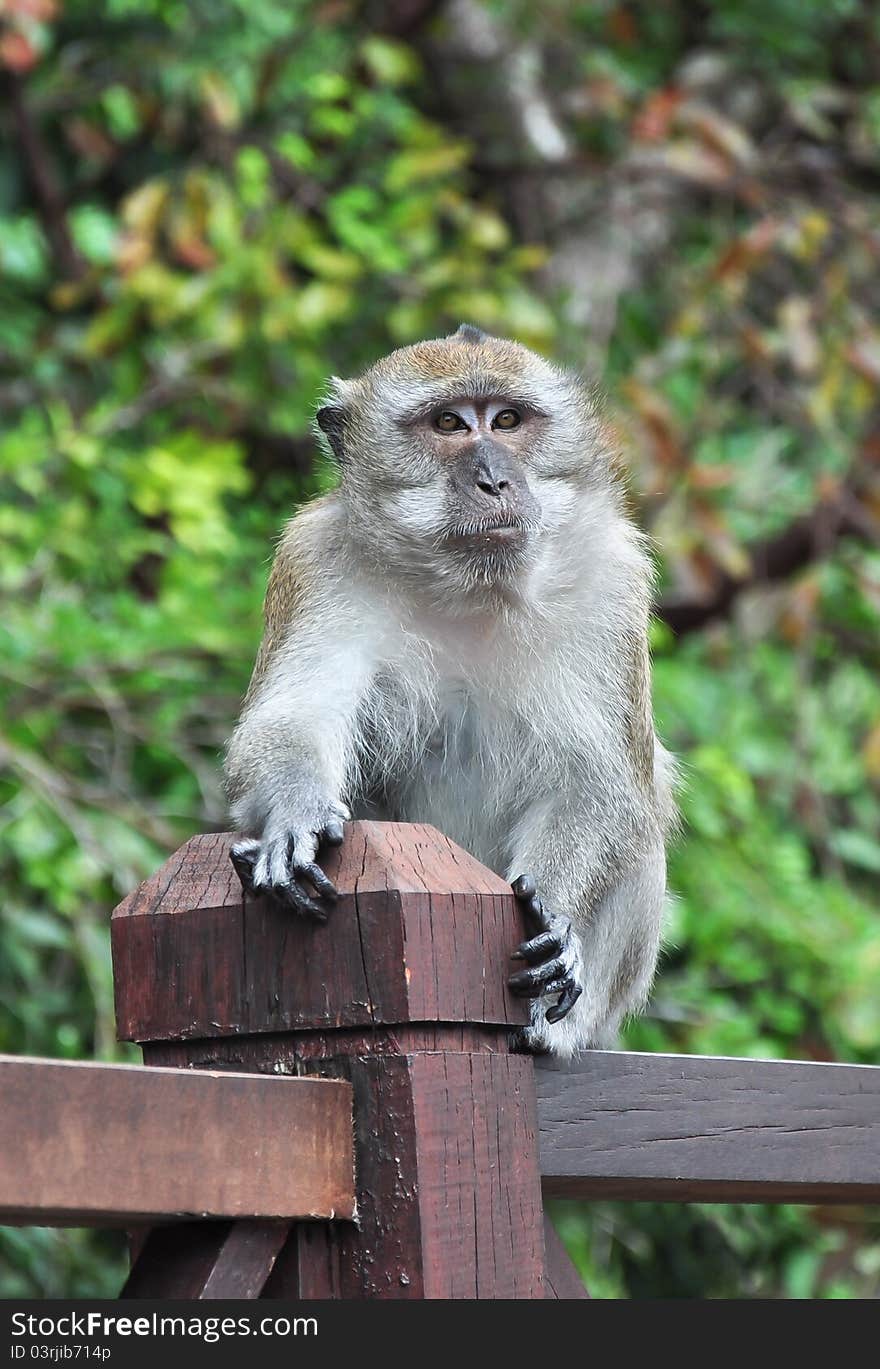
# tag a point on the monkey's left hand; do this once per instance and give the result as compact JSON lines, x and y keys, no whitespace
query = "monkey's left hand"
{"x":550,"y":953}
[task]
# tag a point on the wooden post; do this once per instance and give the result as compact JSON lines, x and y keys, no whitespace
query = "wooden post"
{"x":403,"y":992}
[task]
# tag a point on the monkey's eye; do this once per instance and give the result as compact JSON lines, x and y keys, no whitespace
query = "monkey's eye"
{"x":448,"y":422}
{"x":508,"y":418}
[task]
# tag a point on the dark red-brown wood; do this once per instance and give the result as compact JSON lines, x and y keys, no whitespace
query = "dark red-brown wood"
{"x":701,"y":1129}
{"x":448,"y":1199}
{"x":84,"y":1144}
{"x":562,"y":1280}
{"x":403,"y":993}
{"x":203,"y":1260}
{"x":417,"y":923}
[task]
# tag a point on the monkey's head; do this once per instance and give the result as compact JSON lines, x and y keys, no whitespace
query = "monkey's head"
{"x":463,"y":457}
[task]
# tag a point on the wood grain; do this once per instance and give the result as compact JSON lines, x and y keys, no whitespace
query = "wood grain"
{"x":476,"y":1147}
{"x":421,"y":933}
{"x":84,"y":1144}
{"x":705,"y":1129}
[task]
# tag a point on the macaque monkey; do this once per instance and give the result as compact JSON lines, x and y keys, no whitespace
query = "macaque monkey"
{"x":457,"y":635}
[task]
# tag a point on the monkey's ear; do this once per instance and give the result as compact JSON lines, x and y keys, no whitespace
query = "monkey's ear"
{"x":331,"y":421}
{"x":469,"y":332}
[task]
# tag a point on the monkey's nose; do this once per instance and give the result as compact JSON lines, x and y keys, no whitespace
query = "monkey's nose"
{"x":490,"y":482}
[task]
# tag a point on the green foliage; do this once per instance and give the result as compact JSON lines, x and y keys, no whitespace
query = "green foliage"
{"x":747,"y":373}
{"x":38,"y":1262}
{"x":256,"y":196}
{"x":255,"y":201}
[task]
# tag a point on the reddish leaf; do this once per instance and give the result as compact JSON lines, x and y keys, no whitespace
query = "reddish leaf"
{"x":16,"y":53}
{"x":194,"y":252}
{"x":709,"y":477}
{"x":39,"y":11}
{"x":746,"y":251}
{"x":654,"y":120}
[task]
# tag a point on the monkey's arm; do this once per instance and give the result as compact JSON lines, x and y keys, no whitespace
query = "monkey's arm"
{"x":594,"y":847}
{"x":598,"y":867}
{"x":290,"y":758}
{"x":595,"y":952}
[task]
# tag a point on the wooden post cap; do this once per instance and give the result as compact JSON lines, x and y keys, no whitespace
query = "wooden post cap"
{"x":421,"y":932}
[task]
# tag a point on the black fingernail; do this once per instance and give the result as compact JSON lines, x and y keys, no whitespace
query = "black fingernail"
{"x":244,"y":868}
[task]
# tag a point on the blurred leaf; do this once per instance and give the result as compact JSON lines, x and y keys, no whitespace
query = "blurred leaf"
{"x":392,"y":63}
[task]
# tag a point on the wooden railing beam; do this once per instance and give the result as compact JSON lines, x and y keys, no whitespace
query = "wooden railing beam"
{"x":692,"y":1128}
{"x":103,"y":1145}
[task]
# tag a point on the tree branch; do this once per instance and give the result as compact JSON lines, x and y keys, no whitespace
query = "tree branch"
{"x":805,"y":540}
{"x":402,"y":18}
{"x":49,"y":198}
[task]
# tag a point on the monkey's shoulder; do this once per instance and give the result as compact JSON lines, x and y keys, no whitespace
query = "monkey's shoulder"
{"x":309,"y":555}
{"x":312,"y":535}
{"x":302,"y":577}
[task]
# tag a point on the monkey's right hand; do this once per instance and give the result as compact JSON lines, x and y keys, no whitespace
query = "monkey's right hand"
{"x":281,"y":863}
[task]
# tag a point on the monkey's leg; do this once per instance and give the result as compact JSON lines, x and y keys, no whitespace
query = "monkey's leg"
{"x":553,"y":955}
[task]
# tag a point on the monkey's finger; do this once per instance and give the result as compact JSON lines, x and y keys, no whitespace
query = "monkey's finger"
{"x":531,"y":983}
{"x":541,"y":974}
{"x":243,"y":860}
{"x":525,"y":889}
{"x":538,"y":913}
{"x":539,"y":948}
{"x":293,"y":895}
{"x":290,"y":895}
{"x":565,"y":1004}
{"x":534,"y":906}
{"x":315,"y":875}
{"x":526,"y":990}
{"x":332,"y":832}
{"x":524,"y":886}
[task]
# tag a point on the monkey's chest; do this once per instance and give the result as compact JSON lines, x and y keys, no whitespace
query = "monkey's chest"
{"x":456,"y":777}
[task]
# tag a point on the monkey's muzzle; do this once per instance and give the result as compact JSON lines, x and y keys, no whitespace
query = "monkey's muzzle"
{"x":495,"y":533}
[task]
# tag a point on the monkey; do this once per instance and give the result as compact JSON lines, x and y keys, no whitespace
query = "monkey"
{"x":457,"y":634}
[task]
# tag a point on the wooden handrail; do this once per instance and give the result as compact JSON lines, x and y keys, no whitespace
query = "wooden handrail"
{"x":103,"y":1145}
{"x":694,"y":1128}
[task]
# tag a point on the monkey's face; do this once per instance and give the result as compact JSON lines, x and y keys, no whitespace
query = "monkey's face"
{"x":461,"y":458}
{"x":481,"y":505}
